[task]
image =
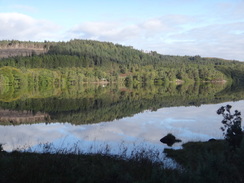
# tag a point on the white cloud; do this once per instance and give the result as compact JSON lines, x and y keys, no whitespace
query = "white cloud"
{"x":169,"y":34}
{"x":111,"y":31}
{"x":155,"y":25}
{"x":22,"y":27}
{"x":123,"y":31}
{"x":218,"y":40}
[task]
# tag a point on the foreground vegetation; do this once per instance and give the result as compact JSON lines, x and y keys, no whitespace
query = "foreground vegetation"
{"x":210,"y":162}
{"x":33,"y":167}
{"x":198,"y":162}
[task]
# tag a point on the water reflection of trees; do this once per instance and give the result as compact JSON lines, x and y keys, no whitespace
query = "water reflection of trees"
{"x":96,"y":103}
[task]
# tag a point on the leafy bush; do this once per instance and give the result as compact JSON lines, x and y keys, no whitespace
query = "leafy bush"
{"x":232,"y":129}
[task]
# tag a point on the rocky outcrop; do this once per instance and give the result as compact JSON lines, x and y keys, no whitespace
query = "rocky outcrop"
{"x":12,"y":52}
{"x":18,"y":48}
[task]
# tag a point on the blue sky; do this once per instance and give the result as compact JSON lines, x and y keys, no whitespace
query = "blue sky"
{"x":209,"y":28}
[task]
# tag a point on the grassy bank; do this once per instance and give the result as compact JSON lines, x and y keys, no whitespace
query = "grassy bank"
{"x":212,"y":161}
{"x":59,"y":167}
{"x":200,"y":162}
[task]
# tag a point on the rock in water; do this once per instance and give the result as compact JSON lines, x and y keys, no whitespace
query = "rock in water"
{"x":169,"y":139}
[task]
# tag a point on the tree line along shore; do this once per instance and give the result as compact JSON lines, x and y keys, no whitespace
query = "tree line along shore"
{"x":80,"y":61}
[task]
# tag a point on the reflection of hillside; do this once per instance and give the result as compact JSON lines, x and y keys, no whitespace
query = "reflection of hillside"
{"x":16,"y":117}
{"x":10,"y":94}
{"x":232,"y":92}
{"x":96,"y":103}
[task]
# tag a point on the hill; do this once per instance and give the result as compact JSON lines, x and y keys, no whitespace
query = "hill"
{"x":96,"y":61}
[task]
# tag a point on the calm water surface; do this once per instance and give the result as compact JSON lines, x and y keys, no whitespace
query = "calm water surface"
{"x":112,"y":119}
{"x":143,"y":130}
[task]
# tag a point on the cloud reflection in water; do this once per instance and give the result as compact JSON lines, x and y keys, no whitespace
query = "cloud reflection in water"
{"x":142,"y":130}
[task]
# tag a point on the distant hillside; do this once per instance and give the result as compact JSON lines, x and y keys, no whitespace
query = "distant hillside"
{"x":105,"y":61}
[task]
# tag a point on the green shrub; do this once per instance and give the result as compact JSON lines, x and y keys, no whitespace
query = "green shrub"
{"x":232,"y":129}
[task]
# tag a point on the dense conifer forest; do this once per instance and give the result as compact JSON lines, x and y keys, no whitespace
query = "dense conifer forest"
{"x":81,"y":61}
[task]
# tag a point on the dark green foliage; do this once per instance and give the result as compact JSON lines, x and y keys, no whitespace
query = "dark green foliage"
{"x":209,"y":162}
{"x":233,"y":71}
{"x":232,"y":129}
{"x":113,"y":60}
{"x":94,"y":103}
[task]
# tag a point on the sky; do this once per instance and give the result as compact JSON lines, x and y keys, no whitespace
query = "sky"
{"x":209,"y":28}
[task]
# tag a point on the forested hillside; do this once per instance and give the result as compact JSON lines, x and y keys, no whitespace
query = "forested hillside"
{"x":79,"y":61}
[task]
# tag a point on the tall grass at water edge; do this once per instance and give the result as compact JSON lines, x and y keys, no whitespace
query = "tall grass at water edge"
{"x":199,"y":162}
{"x":73,"y":165}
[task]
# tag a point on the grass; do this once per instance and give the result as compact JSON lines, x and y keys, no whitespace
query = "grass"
{"x":210,"y":161}
{"x":69,"y":167}
{"x":200,"y":162}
